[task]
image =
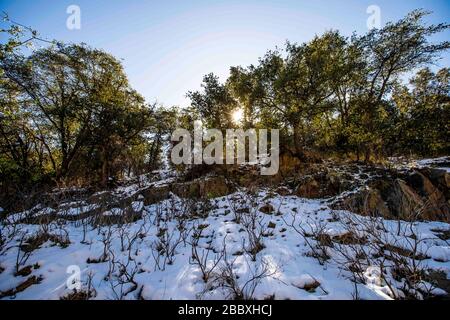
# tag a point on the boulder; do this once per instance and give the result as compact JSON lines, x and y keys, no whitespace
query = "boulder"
{"x":327,"y":183}
{"x":425,"y":187}
{"x":211,"y":187}
{"x":412,"y":197}
{"x":100,"y":197}
{"x":440,"y":178}
{"x":369,"y":202}
{"x":434,"y":199}
{"x":214,"y":187}
{"x":404,"y":202}
{"x":308,"y":188}
{"x":155,"y":194}
{"x":189,"y":189}
{"x":283,"y":191}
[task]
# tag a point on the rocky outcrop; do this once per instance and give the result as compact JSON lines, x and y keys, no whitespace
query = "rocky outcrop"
{"x":404,"y":201}
{"x":200,"y":188}
{"x":309,"y":188}
{"x":441,"y":179}
{"x":126,"y":206}
{"x":327,"y":183}
{"x":155,"y":194}
{"x":418,"y":195}
{"x":367,"y":202}
{"x":211,"y":187}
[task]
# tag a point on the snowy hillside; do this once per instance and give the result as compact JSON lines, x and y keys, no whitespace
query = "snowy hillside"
{"x":245,"y":245}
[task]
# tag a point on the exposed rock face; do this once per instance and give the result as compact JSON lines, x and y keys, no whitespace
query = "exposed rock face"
{"x":323,"y":184}
{"x":203,"y":188}
{"x":440,"y":179}
{"x":369,"y":202}
{"x":283,"y":191}
{"x":309,"y":188}
{"x":97,"y":203}
{"x":435,"y":199}
{"x":200,"y":188}
{"x":412,"y":197}
{"x":214,"y":187}
{"x":100,"y":197}
{"x":404,"y":202}
{"x":154,"y":194}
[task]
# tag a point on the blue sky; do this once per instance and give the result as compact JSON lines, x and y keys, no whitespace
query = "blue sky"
{"x":167,"y":46}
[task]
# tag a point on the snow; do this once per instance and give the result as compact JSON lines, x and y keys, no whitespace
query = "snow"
{"x":430,"y":161}
{"x":285,"y":260}
{"x":434,"y":162}
{"x":437,"y":163}
{"x":137,"y":206}
{"x":439,"y":253}
{"x":144,"y":183}
{"x":303,"y":280}
{"x":80,"y":210}
{"x":113,"y":212}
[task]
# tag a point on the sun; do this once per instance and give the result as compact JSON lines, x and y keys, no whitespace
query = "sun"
{"x":238,"y":115}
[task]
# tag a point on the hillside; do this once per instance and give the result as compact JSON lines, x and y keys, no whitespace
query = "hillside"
{"x":148,"y":239}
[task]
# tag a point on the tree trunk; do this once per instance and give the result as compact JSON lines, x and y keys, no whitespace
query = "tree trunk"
{"x":298,"y":143}
{"x":367,"y":154}
{"x":105,"y":168}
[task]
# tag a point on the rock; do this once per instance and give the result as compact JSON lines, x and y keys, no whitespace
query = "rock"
{"x":283,"y":191}
{"x":189,"y":189}
{"x":100,"y":197}
{"x":411,"y":197}
{"x":404,"y":201}
{"x":309,"y":188}
{"x":433,"y":198}
{"x":155,"y":194}
{"x":323,"y":184}
{"x":368,"y":202}
{"x":440,"y":178}
{"x":375,"y":204}
{"x":212,"y":187}
{"x":424,"y":187}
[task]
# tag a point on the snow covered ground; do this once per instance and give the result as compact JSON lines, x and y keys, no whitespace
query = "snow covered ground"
{"x":442,"y":163}
{"x":262,"y":246}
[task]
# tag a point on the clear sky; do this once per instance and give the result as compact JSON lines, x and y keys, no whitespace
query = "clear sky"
{"x":167,"y":46}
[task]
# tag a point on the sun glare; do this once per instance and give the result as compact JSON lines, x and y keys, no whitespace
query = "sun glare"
{"x":238,"y":115}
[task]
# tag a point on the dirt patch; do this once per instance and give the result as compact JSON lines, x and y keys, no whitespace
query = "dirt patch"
{"x":267,"y":209}
{"x":78,"y":295}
